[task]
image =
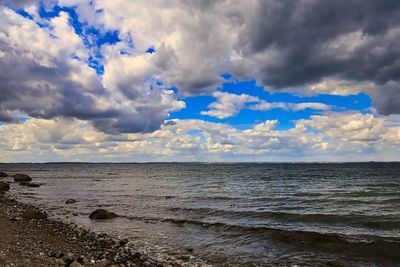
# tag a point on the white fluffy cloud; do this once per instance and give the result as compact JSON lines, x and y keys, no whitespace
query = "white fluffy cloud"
{"x":193,"y":46}
{"x":44,"y":74}
{"x":229,"y":105}
{"x":264,"y":105}
{"x":334,"y":136}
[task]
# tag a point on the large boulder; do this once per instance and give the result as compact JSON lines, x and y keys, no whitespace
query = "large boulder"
{"x":3,"y":174}
{"x":101,"y":214}
{"x":33,"y":214}
{"x":28,"y":184}
{"x":19,"y":177}
{"x":4,"y":187}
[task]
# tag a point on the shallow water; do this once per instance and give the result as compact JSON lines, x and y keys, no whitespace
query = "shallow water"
{"x":243,"y":214}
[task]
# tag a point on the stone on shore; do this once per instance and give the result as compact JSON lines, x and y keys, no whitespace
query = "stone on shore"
{"x":4,"y":187}
{"x":3,"y":174}
{"x":101,"y":214}
{"x":33,"y":214}
{"x":75,"y":264}
{"x":70,"y":201}
{"x":28,"y":184}
{"x":123,"y":242}
{"x":21,"y":178}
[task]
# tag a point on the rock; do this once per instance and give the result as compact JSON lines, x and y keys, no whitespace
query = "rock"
{"x":81,"y":259}
{"x":56,"y":254}
{"x":184,"y":258}
{"x":60,"y":262}
{"x":68,"y":261}
{"x":21,"y":178}
{"x":15,"y":218}
{"x":3,"y":174}
{"x":75,"y":264}
{"x":28,"y":184}
{"x":33,"y":214}
{"x":123,"y":242}
{"x":137,"y":255}
{"x":70,"y":201}
{"x":101,"y":214}
{"x":103,"y":263}
{"x":4,"y":187}
{"x":334,"y":264}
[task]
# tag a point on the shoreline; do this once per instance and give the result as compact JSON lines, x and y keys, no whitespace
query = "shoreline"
{"x":48,"y":242}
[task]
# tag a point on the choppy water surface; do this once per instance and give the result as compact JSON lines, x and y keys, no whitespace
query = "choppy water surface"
{"x":243,"y":214}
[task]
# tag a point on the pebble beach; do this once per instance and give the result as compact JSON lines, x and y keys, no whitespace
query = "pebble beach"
{"x":30,"y":238}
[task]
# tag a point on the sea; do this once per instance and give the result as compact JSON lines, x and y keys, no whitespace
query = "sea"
{"x":232,"y":214}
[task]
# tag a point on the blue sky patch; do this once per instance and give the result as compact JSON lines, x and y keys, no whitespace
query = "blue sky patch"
{"x":247,"y":118}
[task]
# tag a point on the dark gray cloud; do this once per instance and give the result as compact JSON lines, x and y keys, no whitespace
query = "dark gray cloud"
{"x":315,"y":40}
{"x":147,"y":121}
{"x":387,"y":98}
{"x":6,"y":117}
{"x":48,"y":92}
{"x":42,"y":91}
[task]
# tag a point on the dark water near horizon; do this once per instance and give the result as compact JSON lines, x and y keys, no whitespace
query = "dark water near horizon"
{"x":234,"y":214}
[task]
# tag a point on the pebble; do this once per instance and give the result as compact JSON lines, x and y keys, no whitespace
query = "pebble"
{"x":70,"y":201}
{"x":184,"y":258}
{"x":123,"y":242}
{"x":75,"y":264}
{"x":60,"y":262}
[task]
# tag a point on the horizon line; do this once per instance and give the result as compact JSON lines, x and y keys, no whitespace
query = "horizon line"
{"x":201,"y":162}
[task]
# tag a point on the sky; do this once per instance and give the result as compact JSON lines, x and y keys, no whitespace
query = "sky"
{"x":199,"y":80}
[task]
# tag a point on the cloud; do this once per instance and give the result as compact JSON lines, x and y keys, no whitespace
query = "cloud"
{"x":229,"y":105}
{"x":340,"y":136}
{"x":349,"y":127}
{"x":337,"y":87}
{"x":291,"y":45}
{"x":25,"y":3}
{"x":306,"y":47}
{"x":189,"y":47}
{"x":386,"y":99}
{"x":44,"y":74}
{"x":264,"y":105}
{"x":336,"y":47}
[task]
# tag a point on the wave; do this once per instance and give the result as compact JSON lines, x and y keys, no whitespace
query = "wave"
{"x":377,"y":222}
{"x":362,"y":246}
{"x":392,"y":201}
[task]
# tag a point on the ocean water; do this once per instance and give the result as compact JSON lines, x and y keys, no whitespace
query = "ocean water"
{"x":234,"y":214}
